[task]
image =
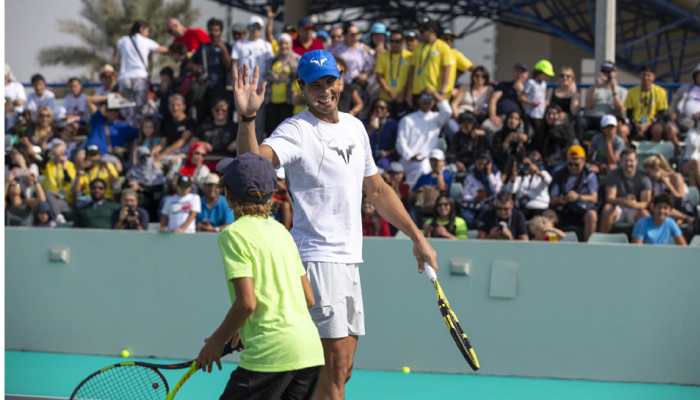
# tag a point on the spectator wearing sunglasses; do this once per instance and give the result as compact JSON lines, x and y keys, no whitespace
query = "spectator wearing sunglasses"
{"x":356,"y":55}
{"x":392,"y":73}
{"x":445,"y":223}
{"x":565,"y":95}
{"x":220,"y":133}
{"x":474,"y":97}
{"x":574,"y":193}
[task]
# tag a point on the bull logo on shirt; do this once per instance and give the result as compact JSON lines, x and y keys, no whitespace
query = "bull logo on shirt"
{"x":344,"y":151}
{"x":319,"y":61}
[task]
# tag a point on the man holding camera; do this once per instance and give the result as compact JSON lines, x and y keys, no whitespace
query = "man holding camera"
{"x":605,"y":97}
{"x":503,"y":221}
{"x":130,"y":216}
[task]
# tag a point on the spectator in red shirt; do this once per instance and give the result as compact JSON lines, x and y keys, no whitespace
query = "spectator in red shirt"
{"x":192,"y":38}
{"x":307,"y":40}
{"x":372,"y":223}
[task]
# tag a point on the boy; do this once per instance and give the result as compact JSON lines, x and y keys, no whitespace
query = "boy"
{"x":658,"y":228}
{"x":534,"y":97}
{"x":180,"y":210}
{"x":268,"y":286}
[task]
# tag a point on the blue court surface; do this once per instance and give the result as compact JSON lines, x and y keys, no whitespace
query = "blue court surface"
{"x":34,"y":375}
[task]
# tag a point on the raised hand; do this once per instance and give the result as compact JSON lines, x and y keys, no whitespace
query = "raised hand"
{"x":248,"y":92}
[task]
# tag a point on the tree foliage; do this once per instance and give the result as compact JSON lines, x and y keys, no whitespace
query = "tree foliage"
{"x":103,"y":22}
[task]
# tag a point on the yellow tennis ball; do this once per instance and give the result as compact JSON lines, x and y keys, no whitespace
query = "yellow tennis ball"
{"x":406,"y":370}
{"x":126,"y":353}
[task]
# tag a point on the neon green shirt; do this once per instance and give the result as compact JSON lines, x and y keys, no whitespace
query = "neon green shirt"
{"x":279,"y":335}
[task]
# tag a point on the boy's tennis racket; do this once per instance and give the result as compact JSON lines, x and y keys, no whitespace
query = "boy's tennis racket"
{"x":135,"y":380}
{"x":460,"y":338}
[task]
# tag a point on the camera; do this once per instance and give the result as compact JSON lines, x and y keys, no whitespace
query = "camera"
{"x":131,"y":211}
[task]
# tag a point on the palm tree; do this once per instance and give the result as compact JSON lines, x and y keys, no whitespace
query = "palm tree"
{"x":105,"y":21}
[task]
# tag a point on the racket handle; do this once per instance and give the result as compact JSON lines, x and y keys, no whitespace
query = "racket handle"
{"x":429,"y":272}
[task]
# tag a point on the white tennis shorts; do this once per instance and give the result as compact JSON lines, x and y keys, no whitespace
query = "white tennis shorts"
{"x":338,"y":311}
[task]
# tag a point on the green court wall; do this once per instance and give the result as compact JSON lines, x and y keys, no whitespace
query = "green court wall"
{"x":583,"y":311}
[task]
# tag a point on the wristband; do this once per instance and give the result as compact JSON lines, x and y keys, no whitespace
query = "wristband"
{"x":248,"y":119}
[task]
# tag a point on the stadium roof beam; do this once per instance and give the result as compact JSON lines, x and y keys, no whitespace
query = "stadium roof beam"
{"x":654,"y":32}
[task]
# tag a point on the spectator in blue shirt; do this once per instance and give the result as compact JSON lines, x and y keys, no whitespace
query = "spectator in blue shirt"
{"x":658,"y":228}
{"x":120,"y":133}
{"x":439,"y":177}
{"x":215,"y":214}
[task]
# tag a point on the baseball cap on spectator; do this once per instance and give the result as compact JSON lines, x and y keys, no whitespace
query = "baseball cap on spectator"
{"x":521,"y":67}
{"x":184,"y":181}
{"x":608,"y":120}
{"x":289,"y":29}
{"x":316,"y":64}
{"x":250,"y":178}
{"x":255,"y":20}
{"x":284,"y":37}
{"x":92,"y":149}
{"x":107,"y":69}
{"x":410,"y":34}
{"x":238,"y":28}
{"x":395,"y":167}
{"x":437,"y":154}
{"x":56,"y":142}
{"x":448,"y":32}
{"x":576,"y":151}
{"x":306,"y":23}
{"x":212,"y":179}
{"x":43,"y":207}
{"x":425,"y":96}
{"x":323,"y":35}
{"x":379,"y":28}
{"x":467,"y":117}
{"x":607,"y":66}
{"x":486,"y":155}
{"x":544,"y":66}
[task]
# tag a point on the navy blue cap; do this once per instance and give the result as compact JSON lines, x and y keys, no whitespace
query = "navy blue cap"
{"x":316,"y":64}
{"x":250,"y":178}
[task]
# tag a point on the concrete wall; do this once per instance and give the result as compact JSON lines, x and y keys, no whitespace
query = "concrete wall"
{"x":604,"y":312}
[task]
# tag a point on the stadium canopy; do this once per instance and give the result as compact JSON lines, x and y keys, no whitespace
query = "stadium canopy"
{"x":660,"y":33}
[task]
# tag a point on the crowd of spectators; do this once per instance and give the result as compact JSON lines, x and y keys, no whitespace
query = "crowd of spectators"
{"x":469,"y":157}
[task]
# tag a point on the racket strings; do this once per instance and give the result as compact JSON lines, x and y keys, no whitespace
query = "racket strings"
{"x":123,"y":383}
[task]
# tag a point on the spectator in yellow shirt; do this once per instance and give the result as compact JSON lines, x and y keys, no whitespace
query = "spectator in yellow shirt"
{"x":430,"y":64}
{"x":461,"y":63}
{"x":392,"y":72}
{"x":647,"y":109}
{"x":97,"y":167}
{"x":281,"y":75}
{"x":58,"y":174}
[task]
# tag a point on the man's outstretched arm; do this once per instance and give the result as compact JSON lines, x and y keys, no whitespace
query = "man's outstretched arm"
{"x":390,"y":207}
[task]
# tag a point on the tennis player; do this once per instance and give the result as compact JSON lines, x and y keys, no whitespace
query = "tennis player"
{"x":268,"y":287}
{"x":327,"y":158}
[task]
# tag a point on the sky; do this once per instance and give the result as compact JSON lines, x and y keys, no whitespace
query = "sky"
{"x":31,"y":25}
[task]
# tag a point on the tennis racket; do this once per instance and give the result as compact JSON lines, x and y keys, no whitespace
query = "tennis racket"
{"x":135,"y":380}
{"x":448,"y":316}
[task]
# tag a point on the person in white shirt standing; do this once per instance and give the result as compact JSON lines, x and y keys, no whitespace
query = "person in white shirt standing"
{"x":418,"y":135}
{"x":132,"y":53}
{"x":534,"y":97}
{"x":328,"y":160}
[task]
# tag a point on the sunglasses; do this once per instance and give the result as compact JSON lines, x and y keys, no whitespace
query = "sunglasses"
{"x":502,"y":208}
{"x":198,"y":153}
{"x":99,"y":187}
{"x":337,"y":37}
{"x":479,"y":76}
{"x":221,"y":109}
{"x":396,"y":40}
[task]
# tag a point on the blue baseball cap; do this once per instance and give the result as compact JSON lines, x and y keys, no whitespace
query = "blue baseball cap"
{"x":379,"y":28}
{"x":316,"y":64}
{"x":249,"y":178}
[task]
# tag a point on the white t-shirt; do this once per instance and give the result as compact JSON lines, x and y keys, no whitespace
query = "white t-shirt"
{"x":130,"y":65}
{"x":536,"y":92}
{"x":178,"y":208}
{"x":15,"y":91}
{"x":252,"y":53}
{"x":325,"y":165}
{"x":690,"y":103}
{"x":34,"y":102}
{"x":76,"y":105}
{"x":535,"y":187}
